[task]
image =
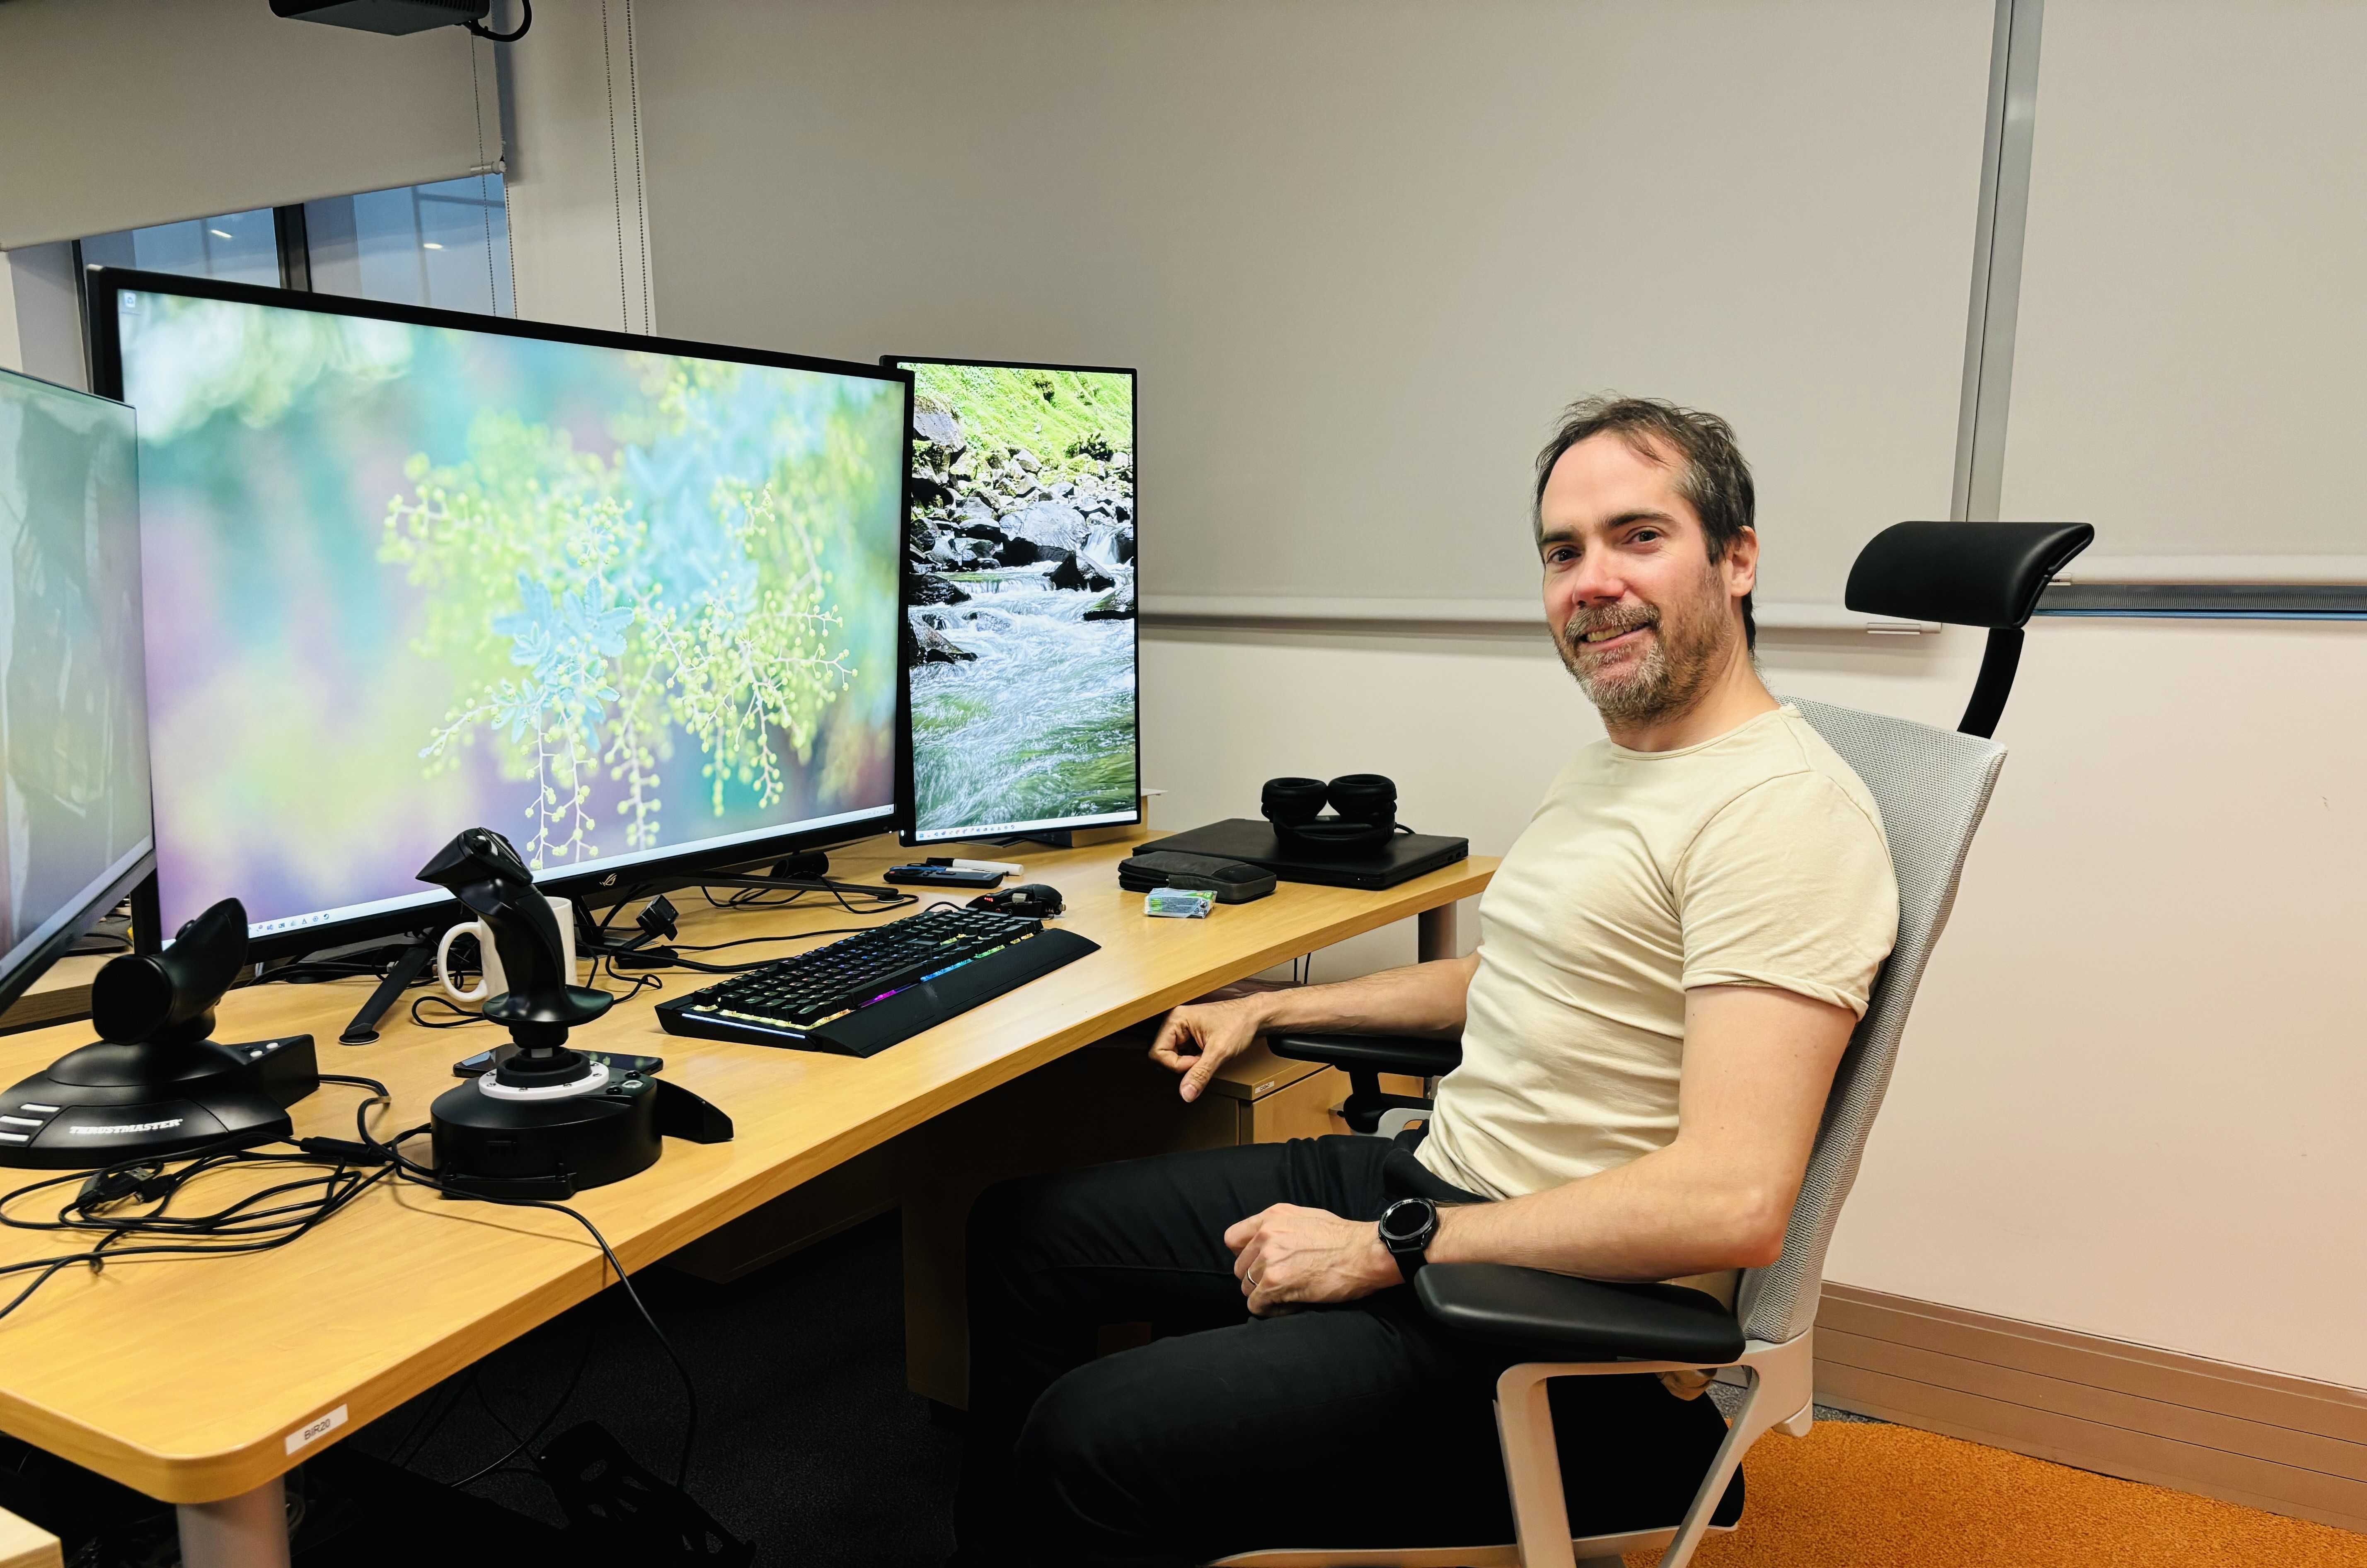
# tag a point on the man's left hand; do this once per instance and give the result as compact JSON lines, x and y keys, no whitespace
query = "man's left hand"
{"x":1287,"y":1255}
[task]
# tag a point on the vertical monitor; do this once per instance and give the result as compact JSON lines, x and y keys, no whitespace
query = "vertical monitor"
{"x":1020,"y":648}
{"x":630,"y":602}
{"x":74,"y":726}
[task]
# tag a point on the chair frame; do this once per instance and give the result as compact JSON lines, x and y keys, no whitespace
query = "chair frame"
{"x":1782,"y":1379}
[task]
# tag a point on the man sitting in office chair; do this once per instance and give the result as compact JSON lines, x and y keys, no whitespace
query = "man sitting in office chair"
{"x":1670,"y":961}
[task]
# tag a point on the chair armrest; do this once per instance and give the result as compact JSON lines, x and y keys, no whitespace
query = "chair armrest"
{"x":1579,"y":1320}
{"x":1372,"y":1053}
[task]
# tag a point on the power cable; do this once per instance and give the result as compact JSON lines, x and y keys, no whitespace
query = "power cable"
{"x":408,"y":1170}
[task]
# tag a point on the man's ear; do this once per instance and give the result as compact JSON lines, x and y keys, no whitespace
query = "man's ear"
{"x":1742,"y":563}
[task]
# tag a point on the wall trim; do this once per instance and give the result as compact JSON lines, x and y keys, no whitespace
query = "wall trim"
{"x":1484,"y":614}
{"x":2217,"y":601}
{"x":2267,"y":1440}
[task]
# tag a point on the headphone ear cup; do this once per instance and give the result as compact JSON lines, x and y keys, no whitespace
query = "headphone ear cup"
{"x":1291,"y":802}
{"x":1367,"y":798}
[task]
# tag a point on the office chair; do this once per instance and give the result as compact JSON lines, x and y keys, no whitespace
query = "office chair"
{"x":1932,"y":786}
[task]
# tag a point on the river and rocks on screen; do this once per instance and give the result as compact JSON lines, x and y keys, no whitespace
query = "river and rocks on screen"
{"x":1018,"y":631}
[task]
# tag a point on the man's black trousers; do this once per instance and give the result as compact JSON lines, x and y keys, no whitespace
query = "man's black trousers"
{"x":1357,"y":1424}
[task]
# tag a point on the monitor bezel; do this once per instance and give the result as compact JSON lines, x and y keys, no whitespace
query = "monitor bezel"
{"x":907,"y":795}
{"x":595,"y":883}
{"x":37,"y":961}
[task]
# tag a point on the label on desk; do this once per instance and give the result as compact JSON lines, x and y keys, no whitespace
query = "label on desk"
{"x":312,"y":1432}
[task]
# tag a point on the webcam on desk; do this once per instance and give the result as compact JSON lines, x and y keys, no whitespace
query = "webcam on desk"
{"x":155,"y":1084}
{"x":548,"y":1121}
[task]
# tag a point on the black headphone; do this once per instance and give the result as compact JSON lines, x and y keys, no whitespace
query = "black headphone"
{"x":1366,"y":804}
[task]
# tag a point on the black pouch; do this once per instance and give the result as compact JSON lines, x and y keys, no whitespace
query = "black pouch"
{"x":1232,"y":881}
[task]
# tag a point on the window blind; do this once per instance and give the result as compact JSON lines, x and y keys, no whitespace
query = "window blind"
{"x":117,"y":114}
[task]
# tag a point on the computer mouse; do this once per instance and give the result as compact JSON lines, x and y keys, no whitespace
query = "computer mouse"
{"x":1032,"y":898}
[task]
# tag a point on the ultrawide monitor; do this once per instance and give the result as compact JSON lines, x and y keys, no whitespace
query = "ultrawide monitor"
{"x":631,"y":601}
{"x":73,"y":730}
{"x":1020,"y":652}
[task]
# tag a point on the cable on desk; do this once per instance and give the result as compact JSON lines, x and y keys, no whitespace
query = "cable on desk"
{"x":255,"y":1223}
{"x":371,"y":963}
{"x":621,"y":956}
{"x":461,"y":1016}
{"x":875,"y":898}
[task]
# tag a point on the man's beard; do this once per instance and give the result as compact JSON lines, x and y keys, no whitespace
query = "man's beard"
{"x":1678,"y":663}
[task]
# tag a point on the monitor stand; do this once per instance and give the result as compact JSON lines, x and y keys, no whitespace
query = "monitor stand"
{"x":409,"y":965}
{"x":1052,"y":838}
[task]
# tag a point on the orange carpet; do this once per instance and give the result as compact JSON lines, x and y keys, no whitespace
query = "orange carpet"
{"x":1862,"y":1497}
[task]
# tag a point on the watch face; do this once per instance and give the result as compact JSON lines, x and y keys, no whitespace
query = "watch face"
{"x":1409,"y":1219}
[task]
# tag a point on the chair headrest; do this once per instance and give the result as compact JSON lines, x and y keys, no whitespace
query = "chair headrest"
{"x":1966,"y":574}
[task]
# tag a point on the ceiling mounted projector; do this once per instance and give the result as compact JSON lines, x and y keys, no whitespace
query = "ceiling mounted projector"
{"x":401,"y":17}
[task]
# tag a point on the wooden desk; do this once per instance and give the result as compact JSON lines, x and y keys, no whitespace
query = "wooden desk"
{"x":60,"y":994}
{"x":197,"y":1382}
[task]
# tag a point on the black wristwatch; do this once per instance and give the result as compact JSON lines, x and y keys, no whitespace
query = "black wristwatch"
{"x":1407,"y":1227}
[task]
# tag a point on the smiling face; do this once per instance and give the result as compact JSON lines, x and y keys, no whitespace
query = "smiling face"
{"x":1642,"y":616}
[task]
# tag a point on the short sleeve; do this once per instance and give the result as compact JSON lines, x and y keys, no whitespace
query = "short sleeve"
{"x":1789,"y":885}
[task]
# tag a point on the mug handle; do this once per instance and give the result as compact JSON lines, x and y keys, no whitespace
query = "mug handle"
{"x":443,"y":944}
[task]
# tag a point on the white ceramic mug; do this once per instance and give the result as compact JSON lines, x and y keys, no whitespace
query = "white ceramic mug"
{"x":492,"y":982}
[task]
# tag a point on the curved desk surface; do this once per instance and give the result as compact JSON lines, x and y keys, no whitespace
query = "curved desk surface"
{"x":198,"y":1380}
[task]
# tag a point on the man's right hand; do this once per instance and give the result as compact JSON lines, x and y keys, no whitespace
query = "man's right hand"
{"x":1197,"y":1039}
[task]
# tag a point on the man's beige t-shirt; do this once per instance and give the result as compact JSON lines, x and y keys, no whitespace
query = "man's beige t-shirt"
{"x":1754,"y":859}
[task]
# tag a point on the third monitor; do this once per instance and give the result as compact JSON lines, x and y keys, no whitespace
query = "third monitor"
{"x":1020,"y":646}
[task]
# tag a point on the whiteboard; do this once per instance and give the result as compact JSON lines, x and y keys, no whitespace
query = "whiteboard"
{"x":1362,"y":251}
{"x":2194,"y":320}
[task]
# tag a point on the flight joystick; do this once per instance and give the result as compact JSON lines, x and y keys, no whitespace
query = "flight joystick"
{"x":156,"y":1084}
{"x":484,"y":872}
{"x":549,"y":1120}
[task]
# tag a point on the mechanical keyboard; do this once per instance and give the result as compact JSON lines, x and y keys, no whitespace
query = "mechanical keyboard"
{"x":864,"y":993}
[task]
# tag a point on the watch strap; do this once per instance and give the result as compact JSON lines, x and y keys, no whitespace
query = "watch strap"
{"x":1411,"y":1251}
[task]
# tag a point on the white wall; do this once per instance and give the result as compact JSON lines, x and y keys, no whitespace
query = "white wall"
{"x":578,"y":217}
{"x":41,"y":315}
{"x":2129,"y":1102}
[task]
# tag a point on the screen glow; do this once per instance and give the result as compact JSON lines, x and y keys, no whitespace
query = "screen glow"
{"x":407,"y":579}
{"x":74,"y":736}
{"x":1021,"y":622}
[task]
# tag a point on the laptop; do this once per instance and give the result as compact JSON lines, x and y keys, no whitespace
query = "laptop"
{"x":1252,"y":838}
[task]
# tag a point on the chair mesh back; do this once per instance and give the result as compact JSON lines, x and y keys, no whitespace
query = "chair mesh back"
{"x":1932,"y":786}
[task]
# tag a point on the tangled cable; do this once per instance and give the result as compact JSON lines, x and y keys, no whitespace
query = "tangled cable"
{"x":272,"y":1217}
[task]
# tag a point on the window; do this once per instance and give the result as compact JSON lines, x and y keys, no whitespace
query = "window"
{"x":446,"y":244}
{"x":239,"y":247}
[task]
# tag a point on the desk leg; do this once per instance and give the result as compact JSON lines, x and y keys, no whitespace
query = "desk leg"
{"x":1434,"y":934}
{"x":249,"y":1531}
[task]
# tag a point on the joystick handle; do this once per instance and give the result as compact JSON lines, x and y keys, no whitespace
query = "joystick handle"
{"x":168,"y":998}
{"x":486,"y":873}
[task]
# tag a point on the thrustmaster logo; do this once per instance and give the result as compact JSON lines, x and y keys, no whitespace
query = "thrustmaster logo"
{"x":135,"y":1127}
